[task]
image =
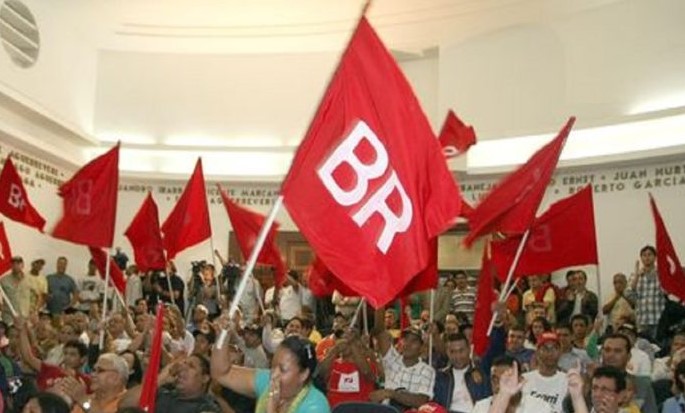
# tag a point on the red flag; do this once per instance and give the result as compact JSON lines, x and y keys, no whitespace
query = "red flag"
{"x":511,"y":206}
{"x":188,"y":223}
{"x":5,"y":251}
{"x":90,"y":202}
{"x":115,"y":274}
{"x":322,"y":282}
{"x":146,"y":238}
{"x":246,"y":225}
{"x":671,"y":274}
{"x":466,"y":209}
{"x":14,"y":201}
{"x":485,"y":298}
{"x":426,"y":279}
{"x":369,"y":179}
{"x":148,"y":394}
{"x":455,"y":137}
{"x":562,"y":237}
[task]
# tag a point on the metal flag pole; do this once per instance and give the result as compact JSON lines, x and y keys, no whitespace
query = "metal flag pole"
{"x":251,"y":262}
{"x":430,"y":327}
{"x":8,"y":302}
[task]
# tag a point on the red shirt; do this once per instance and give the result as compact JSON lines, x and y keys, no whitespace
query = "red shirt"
{"x":347,"y":384}
{"x":49,"y":373}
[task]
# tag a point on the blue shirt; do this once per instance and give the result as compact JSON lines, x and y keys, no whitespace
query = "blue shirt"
{"x":60,"y":288}
{"x":314,"y":401}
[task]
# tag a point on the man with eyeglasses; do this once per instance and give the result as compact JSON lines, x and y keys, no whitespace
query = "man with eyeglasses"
{"x":608,"y":389}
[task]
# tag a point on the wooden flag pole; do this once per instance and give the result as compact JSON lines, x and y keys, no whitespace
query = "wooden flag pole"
{"x":7,"y":301}
{"x":430,"y":327}
{"x":104,"y":298}
{"x":251,"y":262}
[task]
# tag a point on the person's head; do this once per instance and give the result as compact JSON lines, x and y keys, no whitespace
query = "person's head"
{"x":620,"y":283}
{"x":141,"y":306}
{"x":648,"y":256}
{"x":135,"y":367}
{"x":548,"y":351}
{"x":569,"y":278}
{"x":629,"y":330}
{"x":200,"y":314}
{"x":307,"y":326}
{"x":37,"y":266}
{"x":193,"y":377}
{"x":116,"y":325}
{"x":538,"y":326}
{"x":425,"y":316}
{"x":203,"y":342}
{"x":616,"y":351}
{"x":467,"y":330}
{"x":579,"y":324}
{"x":17,"y":264}
{"x":451,"y":324}
{"x":535,"y":281}
{"x":607,"y":388}
{"x":458,"y":350}
{"x":132,"y":270}
{"x":293,"y":365}
{"x":62,"y":265}
{"x":110,"y":373}
{"x":339,"y":324}
{"x":75,"y":354}
{"x":67,"y":333}
{"x":516,"y":337}
{"x":412,"y":340}
{"x":390,"y":319}
{"x":208,"y":272}
{"x":563,"y":331}
{"x":579,"y":280}
{"x":252,"y":334}
{"x":294,"y":327}
{"x":80,"y":321}
{"x":44,"y":402}
{"x":461,"y":280}
{"x":500,"y":365}
{"x":450,"y":284}
{"x":678,"y":341}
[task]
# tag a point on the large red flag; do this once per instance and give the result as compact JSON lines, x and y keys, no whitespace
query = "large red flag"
{"x":562,"y":237}
{"x":90,"y":202}
{"x":671,"y":274}
{"x":511,"y":206}
{"x":14,"y":201}
{"x":115,"y":274}
{"x":146,"y":238}
{"x":246,"y":225}
{"x":5,"y":251}
{"x":369,"y":179}
{"x":426,"y":279}
{"x":188,"y":223}
{"x":485,"y":298}
{"x":148,"y":394}
{"x":455,"y":137}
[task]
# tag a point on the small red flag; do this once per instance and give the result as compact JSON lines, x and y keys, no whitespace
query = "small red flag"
{"x":90,"y":202}
{"x":322,"y":282}
{"x":246,"y":225}
{"x":671,"y":274}
{"x":562,"y":237}
{"x":455,"y":137}
{"x":188,"y":223}
{"x":5,"y":251}
{"x":146,"y":238}
{"x":511,"y":206}
{"x":485,"y":298}
{"x":14,"y":201}
{"x":369,"y":179}
{"x":148,"y":394}
{"x":115,"y":274}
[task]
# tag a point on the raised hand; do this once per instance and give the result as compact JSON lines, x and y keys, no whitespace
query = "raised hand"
{"x":509,"y":382}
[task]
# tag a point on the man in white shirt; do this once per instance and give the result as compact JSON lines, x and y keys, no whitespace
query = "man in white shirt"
{"x":640,"y":364}
{"x":547,"y":382}
{"x":502,"y":369}
{"x":91,"y":288}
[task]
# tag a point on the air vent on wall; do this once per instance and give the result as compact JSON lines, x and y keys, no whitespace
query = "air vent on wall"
{"x":19,"y":33}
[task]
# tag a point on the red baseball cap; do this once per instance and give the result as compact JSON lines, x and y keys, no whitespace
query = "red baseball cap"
{"x":547,"y":337}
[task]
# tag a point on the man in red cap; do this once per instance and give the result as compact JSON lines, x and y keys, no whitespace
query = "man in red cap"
{"x":547,"y":382}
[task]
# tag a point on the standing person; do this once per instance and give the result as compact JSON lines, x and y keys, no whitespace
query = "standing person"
{"x":38,"y":284}
{"x":546,"y":382}
{"x":578,"y":299}
{"x":161,"y":286}
{"x":650,"y":301}
{"x":463,"y":296}
{"x":120,"y":258}
{"x":622,"y":305}
{"x":91,"y":288}
{"x":443,"y":299}
{"x":207,"y":292}
{"x":62,"y":289}
{"x":134,"y":286}
{"x":18,"y":291}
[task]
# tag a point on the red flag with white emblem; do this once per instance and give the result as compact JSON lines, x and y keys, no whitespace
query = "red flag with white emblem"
{"x":369,"y":187}
{"x":14,"y":201}
{"x":455,"y":137}
{"x":671,"y":274}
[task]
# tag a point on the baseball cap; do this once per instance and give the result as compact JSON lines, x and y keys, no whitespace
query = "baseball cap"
{"x":628,"y":327}
{"x":431,"y":407}
{"x":547,"y":337}
{"x":413,"y":332}
{"x":17,"y":259}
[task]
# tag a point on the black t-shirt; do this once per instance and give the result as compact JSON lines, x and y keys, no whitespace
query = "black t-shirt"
{"x":169,"y":401}
{"x":177,"y":284}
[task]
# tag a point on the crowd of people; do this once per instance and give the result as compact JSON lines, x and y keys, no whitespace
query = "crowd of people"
{"x":553,"y":348}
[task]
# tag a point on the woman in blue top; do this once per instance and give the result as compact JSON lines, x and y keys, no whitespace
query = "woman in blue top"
{"x":286,"y":388}
{"x":676,"y":404}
